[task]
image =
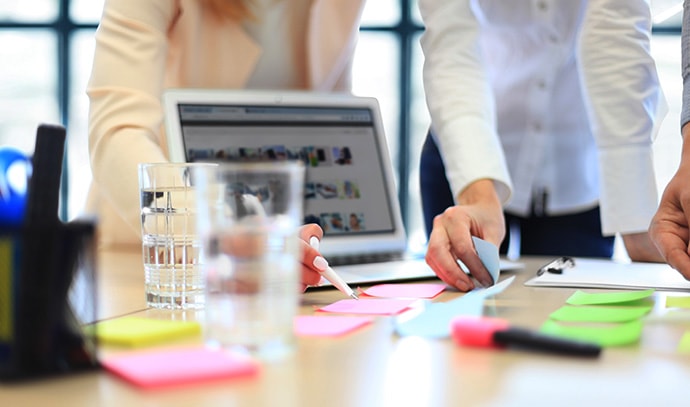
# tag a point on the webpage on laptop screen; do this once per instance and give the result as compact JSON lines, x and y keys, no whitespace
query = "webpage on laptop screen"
{"x":345,"y":190}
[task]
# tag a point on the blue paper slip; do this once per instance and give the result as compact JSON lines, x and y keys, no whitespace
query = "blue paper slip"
{"x":434,"y":320}
{"x":488,"y":253}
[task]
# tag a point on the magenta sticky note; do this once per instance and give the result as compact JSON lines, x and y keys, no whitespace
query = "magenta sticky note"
{"x":315,"y":325}
{"x":374,"y":306}
{"x":420,"y":290}
{"x":169,"y":367}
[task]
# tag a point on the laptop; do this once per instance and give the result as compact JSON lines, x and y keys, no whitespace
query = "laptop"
{"x":350,"y":186}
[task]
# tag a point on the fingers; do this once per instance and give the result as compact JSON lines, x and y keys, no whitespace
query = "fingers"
{"x":312,"y":261}
{"x":679,"y":260}
{"x":243,"y":243}
{"x":306,"y":232}
{"x":669,"y":232}
{"x":440,"y":258}
{"x":673,"y":245}
{"x":450,"y":241}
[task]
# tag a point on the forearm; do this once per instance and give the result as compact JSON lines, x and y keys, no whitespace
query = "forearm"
{"x":622,"y":90}
{"x":479,"y":192}
{"x":460,"y":98}
{"x":125,"y":87}
{"x":641,"y":248}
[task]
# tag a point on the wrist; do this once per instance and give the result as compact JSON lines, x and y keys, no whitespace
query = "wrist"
{"x":480,"y":191}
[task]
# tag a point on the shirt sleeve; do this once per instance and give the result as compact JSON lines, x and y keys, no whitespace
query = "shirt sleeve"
{"x":625,"y":106}
{"x":685,"y":68}
{"x":459,"y":97}
{"x":125,"y":88}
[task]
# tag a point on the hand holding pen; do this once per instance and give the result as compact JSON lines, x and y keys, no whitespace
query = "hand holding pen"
{"x":314,"y":265}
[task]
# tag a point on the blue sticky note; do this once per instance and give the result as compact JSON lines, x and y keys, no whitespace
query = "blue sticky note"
{"x":434,"y":320}
{"x":488,"y":254}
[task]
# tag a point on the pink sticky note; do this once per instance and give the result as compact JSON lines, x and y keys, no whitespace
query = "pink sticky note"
{"x":313,"y":325}
{"x":421,"y":290}
{"x":172,"y":367}
{"x":379,"y":306}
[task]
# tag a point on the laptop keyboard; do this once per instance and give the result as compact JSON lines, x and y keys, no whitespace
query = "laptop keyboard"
{"x":364,"y":258}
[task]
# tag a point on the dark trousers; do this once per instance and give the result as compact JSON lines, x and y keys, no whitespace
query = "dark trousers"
{"x":570,"y":235}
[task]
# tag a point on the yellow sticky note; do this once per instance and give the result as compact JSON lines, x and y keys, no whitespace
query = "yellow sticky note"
{"x":678,"y":302}
{"x":135,"y":331}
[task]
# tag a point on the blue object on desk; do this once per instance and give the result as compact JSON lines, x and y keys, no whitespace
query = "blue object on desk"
{"x":15,"y":170}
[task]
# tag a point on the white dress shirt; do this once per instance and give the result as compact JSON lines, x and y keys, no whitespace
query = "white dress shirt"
{"x":555,"y":97}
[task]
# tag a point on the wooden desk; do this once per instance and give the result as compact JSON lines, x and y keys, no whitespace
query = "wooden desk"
{"x":374,"y":367}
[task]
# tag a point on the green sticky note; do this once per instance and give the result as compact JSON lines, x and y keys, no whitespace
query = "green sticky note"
{"x":678,"y":302}
{"x":684,"y":345}
{"x":619,"y":297}
{"x":605,"y":335}
{"x":135,"y":331}
{"x":599,"y":314}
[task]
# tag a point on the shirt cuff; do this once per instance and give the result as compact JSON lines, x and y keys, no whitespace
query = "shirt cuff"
{"x":471,"y":150}
{"x":629,"y":196}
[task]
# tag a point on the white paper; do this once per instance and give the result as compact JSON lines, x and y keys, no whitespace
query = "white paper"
{"x":592,"y":273}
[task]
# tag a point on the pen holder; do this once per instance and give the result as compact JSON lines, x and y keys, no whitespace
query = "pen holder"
{"x":47,"y":278}
{"x":46,"y":298}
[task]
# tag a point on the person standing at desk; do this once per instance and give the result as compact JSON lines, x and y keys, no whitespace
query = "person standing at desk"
{"x":146,"y":46}
{"x":669,"y":227}
{"x":542,"y":116}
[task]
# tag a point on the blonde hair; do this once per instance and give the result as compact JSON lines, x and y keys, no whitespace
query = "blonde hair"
{"x":235,"y":10}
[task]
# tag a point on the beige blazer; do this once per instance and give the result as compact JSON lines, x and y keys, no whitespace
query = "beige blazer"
{"x":145,"y":46}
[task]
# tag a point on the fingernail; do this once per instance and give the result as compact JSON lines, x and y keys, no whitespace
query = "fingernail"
{"x":314,"y":242}
{"x":488,"y":282}
{"x":464,"y":286}
{"x":320,"y":263}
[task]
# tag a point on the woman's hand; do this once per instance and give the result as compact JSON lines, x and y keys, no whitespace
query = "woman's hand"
{"x":312,"y":262}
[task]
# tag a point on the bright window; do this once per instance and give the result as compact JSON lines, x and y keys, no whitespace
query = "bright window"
{"x":51,"y":45}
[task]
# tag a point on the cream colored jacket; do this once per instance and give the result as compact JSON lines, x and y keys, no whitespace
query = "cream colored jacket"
{"x":145,"y":46}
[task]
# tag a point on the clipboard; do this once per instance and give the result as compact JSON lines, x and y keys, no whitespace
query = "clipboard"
{"x":600,"y":273}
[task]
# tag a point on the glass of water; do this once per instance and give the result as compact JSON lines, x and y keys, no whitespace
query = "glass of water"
{"x":248,"y":218}
{"x":170,"y":244}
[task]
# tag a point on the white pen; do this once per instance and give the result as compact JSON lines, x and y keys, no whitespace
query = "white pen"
{"x":328,"y":273}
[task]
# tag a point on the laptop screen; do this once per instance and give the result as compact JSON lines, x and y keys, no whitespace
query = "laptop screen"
{"x":346,"y":189}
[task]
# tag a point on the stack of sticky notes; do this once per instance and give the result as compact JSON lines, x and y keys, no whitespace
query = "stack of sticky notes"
{"x":173,"y":367}
{"x":137,"y":331}
{"x":163,"y":367}
{"x":608,"y":319}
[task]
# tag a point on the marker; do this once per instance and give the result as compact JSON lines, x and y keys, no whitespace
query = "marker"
{"x":330,"y":274}
{"x":495,"y":332}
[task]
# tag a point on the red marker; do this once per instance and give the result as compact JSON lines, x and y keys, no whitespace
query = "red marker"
{"x":495,"y":332}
